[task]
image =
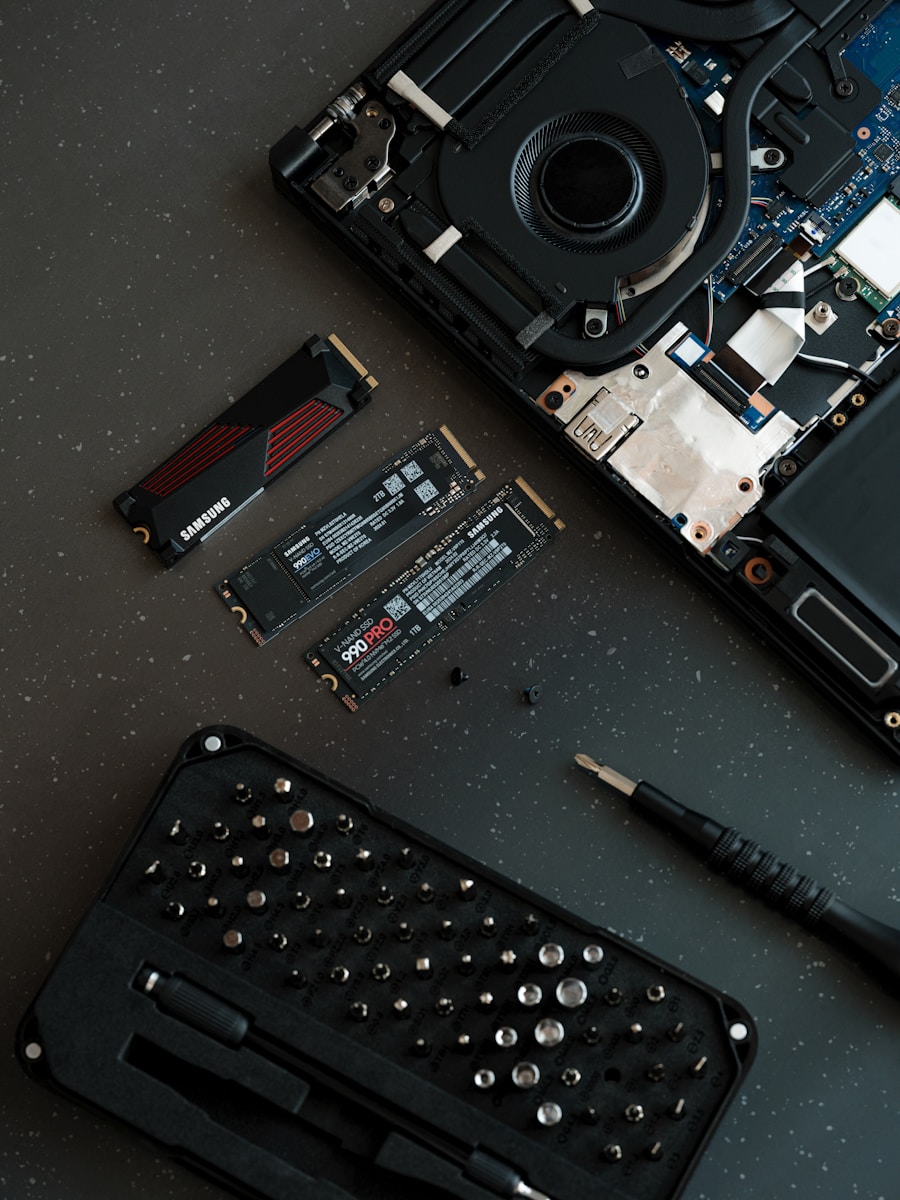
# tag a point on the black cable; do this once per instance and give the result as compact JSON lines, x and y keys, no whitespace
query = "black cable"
{"x":829,"y":283}
{"x":832,"y":364}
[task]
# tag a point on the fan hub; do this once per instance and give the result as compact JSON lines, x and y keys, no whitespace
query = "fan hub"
{"x":596,"y":173}
{"x":588,"y":183}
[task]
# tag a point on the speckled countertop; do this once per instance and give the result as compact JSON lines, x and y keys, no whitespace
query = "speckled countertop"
{"x":151,"y":272}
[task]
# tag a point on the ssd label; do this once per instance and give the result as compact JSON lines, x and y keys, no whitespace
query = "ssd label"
{"x":418,"y":607}
{"x":349,"y":535}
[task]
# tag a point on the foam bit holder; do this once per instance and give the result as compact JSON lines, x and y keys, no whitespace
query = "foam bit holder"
{"x":303,"y":996}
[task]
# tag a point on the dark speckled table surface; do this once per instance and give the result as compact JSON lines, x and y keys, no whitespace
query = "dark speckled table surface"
{"x":151,"y":272}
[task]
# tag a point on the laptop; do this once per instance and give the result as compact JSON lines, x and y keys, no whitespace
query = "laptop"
{"x":668,"y":234}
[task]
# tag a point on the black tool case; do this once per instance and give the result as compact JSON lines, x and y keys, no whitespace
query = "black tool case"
{"x":298,"y":996}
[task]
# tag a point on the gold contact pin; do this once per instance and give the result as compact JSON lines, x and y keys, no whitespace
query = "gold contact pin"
{"x":545,"y":508}
{"x":352,"y":360}
{"x":460,"y":450}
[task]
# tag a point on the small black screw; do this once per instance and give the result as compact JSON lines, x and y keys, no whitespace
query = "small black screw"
{"x":458,"y":676}
{"x":351,"y":183}
{"x":554,"y":400}
{"x":593,"y":327}
{"x":772,"y":157}
{"x":373,"y":163}
{"x":844,"y":89}
{"x":787,"y":468}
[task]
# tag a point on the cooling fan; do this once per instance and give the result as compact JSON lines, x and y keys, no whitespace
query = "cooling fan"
{"x":513,"y":170}
{"x":665,"y":233}
{"x":597,"y":178}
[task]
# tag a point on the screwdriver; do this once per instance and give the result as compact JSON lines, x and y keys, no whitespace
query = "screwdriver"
{"x":872,"y":943}
{"x":204,"y":1010}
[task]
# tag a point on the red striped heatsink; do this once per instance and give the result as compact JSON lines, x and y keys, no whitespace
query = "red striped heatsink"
{"x":291,"y":435}
{"x":206,"y":448}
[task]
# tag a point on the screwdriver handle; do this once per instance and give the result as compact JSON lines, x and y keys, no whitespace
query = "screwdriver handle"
{"x":196,"y":1007}
{"x":873,"y":944}
{"x":865,"y":938}
{"x":773,"y":880}
{"x":803,"y":899}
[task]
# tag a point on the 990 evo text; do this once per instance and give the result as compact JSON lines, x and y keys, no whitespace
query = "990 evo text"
{"x":350,"y":534}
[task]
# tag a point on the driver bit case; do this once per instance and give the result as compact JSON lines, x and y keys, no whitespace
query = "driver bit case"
{"x":297,"y":995}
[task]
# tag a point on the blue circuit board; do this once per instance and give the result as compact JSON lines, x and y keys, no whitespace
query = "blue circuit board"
{"x":777,"y":211}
